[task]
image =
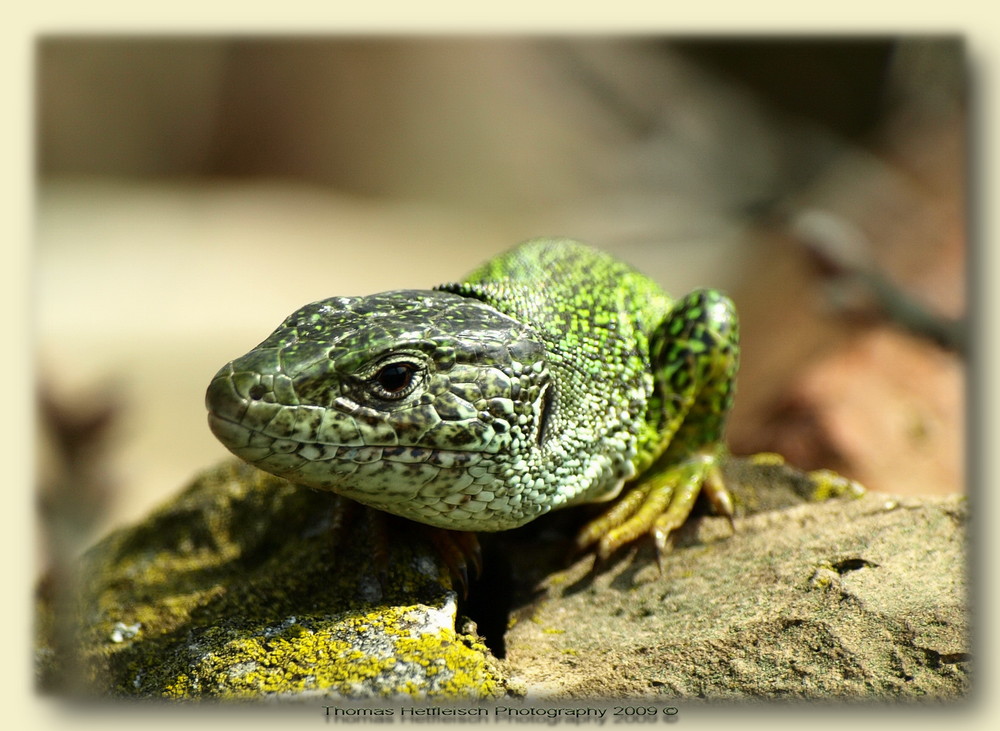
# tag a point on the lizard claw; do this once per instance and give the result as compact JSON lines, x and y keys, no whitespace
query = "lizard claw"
{"x":460,"y":551}
{"x":659,"y":505}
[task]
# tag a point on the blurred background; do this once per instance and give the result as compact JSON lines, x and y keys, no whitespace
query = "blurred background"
{"x":193,"y":191}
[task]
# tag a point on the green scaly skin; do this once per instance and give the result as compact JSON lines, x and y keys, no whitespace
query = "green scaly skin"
{"x":552,"y":376}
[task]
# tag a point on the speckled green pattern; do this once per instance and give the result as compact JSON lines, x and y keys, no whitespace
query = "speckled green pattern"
{"x":551,"y":376}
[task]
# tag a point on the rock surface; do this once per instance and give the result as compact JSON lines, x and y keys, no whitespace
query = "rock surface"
{"x":859,"y":599}
{"x":236,"y":589}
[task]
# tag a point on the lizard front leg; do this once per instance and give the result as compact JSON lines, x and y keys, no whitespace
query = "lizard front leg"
{"x":694,"y":356}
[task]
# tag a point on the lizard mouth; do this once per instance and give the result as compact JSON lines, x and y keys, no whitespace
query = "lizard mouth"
{"x":431,"y":485}
{"x":303,"y":442}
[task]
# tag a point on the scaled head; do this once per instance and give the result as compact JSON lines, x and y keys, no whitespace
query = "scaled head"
{"x":414,"y":402}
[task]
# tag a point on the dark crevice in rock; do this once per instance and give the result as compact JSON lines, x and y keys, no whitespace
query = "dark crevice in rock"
{"x":852,"y":564}
{"x":936,"y":659}
{"x":489,"y":603}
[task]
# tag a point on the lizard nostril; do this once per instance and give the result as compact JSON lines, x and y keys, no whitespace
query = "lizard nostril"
{"x":257,"y":392}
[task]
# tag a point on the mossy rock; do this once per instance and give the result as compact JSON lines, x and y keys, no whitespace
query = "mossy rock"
{"x":237,"y":589}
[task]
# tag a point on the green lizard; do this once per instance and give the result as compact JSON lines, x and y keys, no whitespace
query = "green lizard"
{"x":554,"y":375}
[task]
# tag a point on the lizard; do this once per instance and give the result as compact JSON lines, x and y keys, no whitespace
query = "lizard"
{"x":553,"y":375}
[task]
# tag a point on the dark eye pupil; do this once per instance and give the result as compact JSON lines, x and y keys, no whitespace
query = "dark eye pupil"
{"x":396,"y":377}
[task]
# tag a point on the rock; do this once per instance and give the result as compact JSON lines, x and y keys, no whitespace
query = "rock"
{"x":236,"y":589}
{"x":824,"y":414}
{"x":848,"y":599}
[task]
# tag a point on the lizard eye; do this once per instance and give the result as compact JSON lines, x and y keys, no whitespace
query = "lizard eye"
{"x":396,"y":380}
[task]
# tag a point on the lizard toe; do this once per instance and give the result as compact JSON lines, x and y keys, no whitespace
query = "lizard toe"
{"x":658,"y":506}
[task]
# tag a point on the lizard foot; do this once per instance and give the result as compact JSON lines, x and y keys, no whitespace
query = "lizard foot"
{"x":460,"y":551}
{"x":658,"y":505}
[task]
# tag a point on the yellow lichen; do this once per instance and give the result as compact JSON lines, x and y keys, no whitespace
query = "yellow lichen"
{"x":220,"y":617}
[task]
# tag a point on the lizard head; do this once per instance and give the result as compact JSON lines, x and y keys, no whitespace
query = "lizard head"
{"x":426,"y":404}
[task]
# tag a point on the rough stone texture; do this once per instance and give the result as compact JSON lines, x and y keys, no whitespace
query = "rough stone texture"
{"x":235,"y":589}
{"x":848,"y":599}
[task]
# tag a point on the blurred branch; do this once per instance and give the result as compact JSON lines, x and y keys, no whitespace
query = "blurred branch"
{"x":841,"y":253}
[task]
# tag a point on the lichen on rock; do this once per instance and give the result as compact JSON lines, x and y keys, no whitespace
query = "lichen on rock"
{"x":239,"y":589}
